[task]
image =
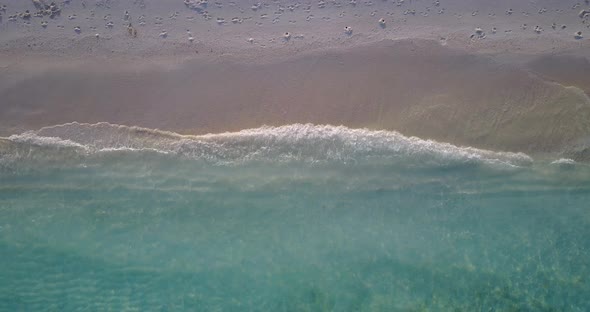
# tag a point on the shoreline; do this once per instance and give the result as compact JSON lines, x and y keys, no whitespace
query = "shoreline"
{"x":479,"y":75}
{"x":93,"y":137}
{"x":418,"y":87}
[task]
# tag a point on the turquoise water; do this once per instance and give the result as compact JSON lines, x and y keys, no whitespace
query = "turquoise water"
{"x":297,"y":218}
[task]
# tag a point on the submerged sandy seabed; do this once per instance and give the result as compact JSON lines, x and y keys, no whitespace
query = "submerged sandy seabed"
{"x":510,"y":75}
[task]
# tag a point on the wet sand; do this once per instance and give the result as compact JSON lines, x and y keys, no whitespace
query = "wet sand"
{"x":472,"y":75}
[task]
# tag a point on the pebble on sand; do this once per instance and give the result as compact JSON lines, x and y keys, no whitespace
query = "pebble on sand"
{"x":478,"y":34}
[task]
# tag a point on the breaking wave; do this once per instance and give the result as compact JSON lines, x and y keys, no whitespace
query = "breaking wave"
{"x":297,"y":142}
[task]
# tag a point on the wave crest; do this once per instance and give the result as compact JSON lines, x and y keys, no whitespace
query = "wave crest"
{"x":300,"y":142}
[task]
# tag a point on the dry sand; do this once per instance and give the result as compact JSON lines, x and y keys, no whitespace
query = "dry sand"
{"x":427,"y":72}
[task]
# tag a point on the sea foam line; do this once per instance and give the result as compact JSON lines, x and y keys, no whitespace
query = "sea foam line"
{"x":295,"y":141}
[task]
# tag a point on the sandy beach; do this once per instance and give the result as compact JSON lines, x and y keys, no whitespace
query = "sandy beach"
{"x":463,"y":72}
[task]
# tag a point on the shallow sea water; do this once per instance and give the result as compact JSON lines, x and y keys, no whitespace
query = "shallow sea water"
{"x":310,"y":226}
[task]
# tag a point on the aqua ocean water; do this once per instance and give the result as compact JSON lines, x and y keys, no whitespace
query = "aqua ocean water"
{"x":295,"y":218}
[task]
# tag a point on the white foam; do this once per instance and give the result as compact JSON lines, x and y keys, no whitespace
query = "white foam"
{"x":303,"y":142}
{"x":564,"y":161}
{"x":32,"y":138}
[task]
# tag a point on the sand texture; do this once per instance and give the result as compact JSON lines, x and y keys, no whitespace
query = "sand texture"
{"x":507,"y":75}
